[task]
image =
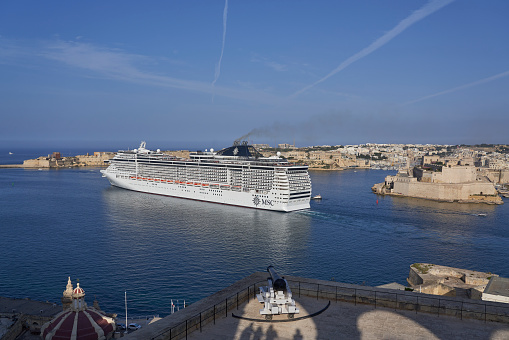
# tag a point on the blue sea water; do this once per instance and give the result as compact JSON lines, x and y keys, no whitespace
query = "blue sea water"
{"x":71,"y":222}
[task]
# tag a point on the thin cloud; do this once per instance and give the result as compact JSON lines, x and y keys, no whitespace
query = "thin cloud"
{"x":218,"y":66}
{"x":416,"y":16}
{"x":269,"y":63}
{"x":458,"y":88}
{"x":276,"y":66}
{"x":119,"y":65}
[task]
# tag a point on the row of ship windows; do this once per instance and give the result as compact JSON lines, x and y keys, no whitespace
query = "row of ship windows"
{"x":191,"y":174}
{"x":249,"y":181}
{"x":226,"y":187}
{"x":205,"y":178}
{"x":259,"y":173}
{"x":191,"y":177}
{"x":192,"y":166}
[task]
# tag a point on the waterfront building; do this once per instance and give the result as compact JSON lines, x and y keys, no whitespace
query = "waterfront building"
{"x":286,"y":146}
{"x":260,"y":146}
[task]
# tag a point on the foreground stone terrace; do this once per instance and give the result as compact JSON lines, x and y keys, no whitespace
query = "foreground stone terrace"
{"x":343,"y":320}
{"x":360,"y":313}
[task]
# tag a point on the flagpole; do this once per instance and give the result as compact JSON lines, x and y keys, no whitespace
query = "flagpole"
{"x":126,"y":309}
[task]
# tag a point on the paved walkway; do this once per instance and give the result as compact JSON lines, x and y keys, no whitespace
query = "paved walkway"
{"x":348,"y":321}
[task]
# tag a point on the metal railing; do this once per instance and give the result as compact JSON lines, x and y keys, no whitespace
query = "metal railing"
{"x":218,"y":310}
{"x":434,"y":304}
{"x":439,"y":305}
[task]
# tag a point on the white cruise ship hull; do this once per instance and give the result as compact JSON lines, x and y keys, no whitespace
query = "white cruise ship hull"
{"x":267,"y":201}
{"x":238,"y":175}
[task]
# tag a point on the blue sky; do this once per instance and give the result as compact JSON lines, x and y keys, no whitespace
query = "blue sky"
{"x":203,"y":73}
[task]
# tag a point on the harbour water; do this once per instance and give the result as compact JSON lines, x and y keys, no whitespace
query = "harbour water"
{"x":71,"y":222}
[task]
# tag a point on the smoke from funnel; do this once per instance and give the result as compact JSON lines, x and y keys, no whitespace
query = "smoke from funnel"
{"x":316,"y":126}
{"x":268,"y":131}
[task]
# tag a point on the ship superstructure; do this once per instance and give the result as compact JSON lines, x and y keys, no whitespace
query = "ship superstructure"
{"x":238,"y":175}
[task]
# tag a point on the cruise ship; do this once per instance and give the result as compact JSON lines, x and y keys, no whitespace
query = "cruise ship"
{"x":238,"y":175}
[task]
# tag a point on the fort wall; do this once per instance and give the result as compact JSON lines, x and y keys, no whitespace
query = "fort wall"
{"x":445,"y":191}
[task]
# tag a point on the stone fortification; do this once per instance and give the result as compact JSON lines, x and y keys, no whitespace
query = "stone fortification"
{"x":97,"y":159}
{"x":464,"y":192}
{"x":500,"y":176}
{"x":461,"y":183}
{"x":441,"y":280}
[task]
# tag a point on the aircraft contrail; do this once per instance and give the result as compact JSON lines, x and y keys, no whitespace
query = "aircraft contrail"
{"x":462,"y":87}
{"x":218,"y":66}
{"x":416,"y":16}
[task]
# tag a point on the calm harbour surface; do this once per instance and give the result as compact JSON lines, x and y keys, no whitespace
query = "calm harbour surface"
{"x":71,"y":222}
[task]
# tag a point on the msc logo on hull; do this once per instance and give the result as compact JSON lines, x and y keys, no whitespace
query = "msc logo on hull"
{"x":263,"y":201}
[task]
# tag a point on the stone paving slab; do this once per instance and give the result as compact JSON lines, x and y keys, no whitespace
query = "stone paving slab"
{"x":344,"y":320}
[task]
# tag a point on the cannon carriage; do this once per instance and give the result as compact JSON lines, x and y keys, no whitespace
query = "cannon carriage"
{"x":276,"y":297}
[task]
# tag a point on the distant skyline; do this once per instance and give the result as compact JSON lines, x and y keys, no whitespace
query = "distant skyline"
{"x":204,"y":73}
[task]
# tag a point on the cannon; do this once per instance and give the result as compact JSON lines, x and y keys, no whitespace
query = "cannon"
{"x":276,"y":297}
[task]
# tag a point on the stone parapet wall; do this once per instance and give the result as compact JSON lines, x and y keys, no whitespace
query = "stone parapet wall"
{"x":447,"y":191}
